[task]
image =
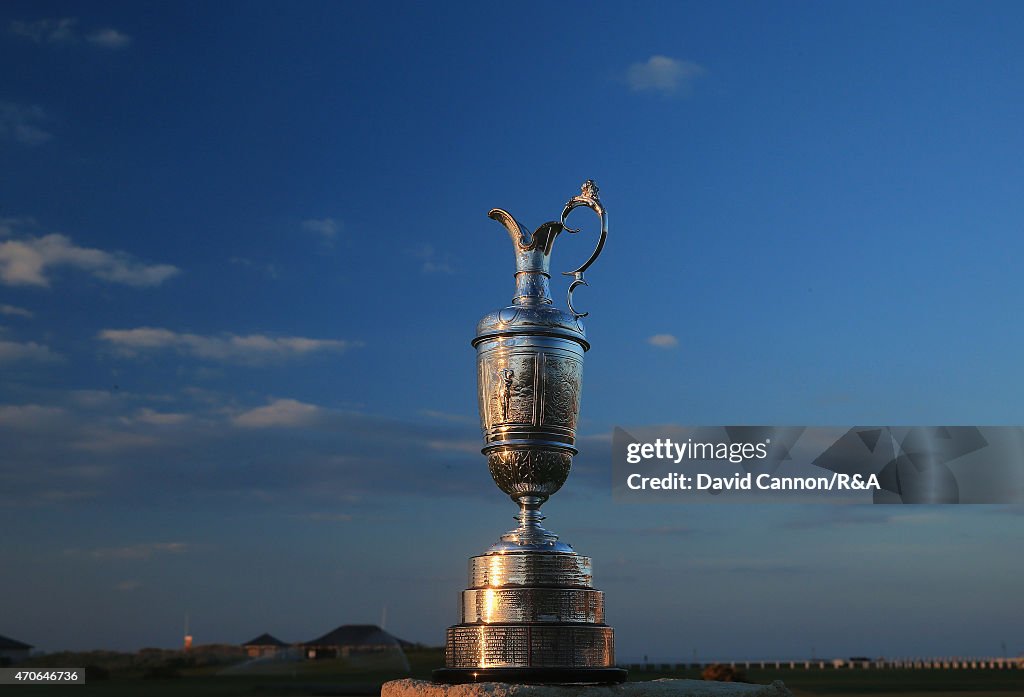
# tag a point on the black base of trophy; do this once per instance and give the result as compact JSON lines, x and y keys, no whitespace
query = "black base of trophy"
{"x":528,"y":676}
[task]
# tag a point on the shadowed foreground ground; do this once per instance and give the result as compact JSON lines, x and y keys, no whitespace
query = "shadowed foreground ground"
{"x":345,"y":679}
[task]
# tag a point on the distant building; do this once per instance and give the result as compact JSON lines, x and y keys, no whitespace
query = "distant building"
{"x":352,"y":638}
{"x":12,"y":651}
{"x":264,"y":645}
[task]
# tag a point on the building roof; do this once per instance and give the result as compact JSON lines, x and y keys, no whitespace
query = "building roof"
{"x":265,"y":640}
{"x":12,"y":645}
{"x":356,"y":635}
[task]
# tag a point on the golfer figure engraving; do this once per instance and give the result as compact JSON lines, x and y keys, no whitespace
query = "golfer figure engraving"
{"x":505,"y":391}
{"x":531,"y":613}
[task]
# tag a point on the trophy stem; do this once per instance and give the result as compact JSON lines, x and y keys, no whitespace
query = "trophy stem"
{"x":529,"y":511}
{"x":530,"y":531}
{"x":530,"y":535}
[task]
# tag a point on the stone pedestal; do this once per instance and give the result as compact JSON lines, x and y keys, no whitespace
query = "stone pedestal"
{"x":648,"y":688}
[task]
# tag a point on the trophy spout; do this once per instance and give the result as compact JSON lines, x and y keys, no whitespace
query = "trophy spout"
{"x":533,"y":258}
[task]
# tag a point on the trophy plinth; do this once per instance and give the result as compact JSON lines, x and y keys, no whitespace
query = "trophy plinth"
{"x":531,"y":613}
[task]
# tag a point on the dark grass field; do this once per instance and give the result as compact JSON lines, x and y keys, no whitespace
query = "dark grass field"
{"x":337,"y":678}
{"x":895,"y":681}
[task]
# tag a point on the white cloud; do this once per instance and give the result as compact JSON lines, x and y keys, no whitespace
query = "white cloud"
{"x":327,"y":228}
{"x":264,"y":268}
{"x":446,"y":416}
{"x":23,"y":123}
{"x":25,"y":262}
{"x":281,"y":413}
{"x":665,"y":341}
{"x":9,"y":224}
{"x":68,"y":445}
{"x":91,"y":399}
{"x":663,"y":74}
{"x":109,"y":37}
{"x":29,"y":416}
{"x":52,"y":31}
{"x":65,"y":31}
{"x":159,"y":418}
{"x":251,"y":349}
{"x":13,"y":311}
{"x":433,"y":261}
{"x":11,"y":351}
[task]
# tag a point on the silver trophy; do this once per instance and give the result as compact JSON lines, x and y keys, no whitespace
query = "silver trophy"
{"x":531,"y":613}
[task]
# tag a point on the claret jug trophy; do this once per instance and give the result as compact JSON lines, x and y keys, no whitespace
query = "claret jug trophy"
{"x":531,"y":613}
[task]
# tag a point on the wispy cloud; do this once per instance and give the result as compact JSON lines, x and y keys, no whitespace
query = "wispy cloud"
{"x":24,"y":123}
{"x":432,"y":261}
{"x":27,"y":261}
{"x":66,"y":31}
{"x":265,"y":268}
{"x":460,"y":445}
{"x":108,"y":37}
{"x":12,"y":351}
{"x":329,"y":517}
{"x":53,"y":31}
{"x":144,"y":550}
{"x":751,"y":567}
{"x":445,"y":416}
{"x":821,"y":517}
{"x":13,"y":311}
{"x":664,"y":341}
{"x":29,"y":417}
{"x":663,"y":74}
{"x":326,"y":228}
{"x":9,"y":224}
{"x":159,"y":418}
{"x":126,"y":446}
{"x":252,"y":349}
{"x":107,"y":441}
{"x":652,"y":531}
{"x":280,"y":413}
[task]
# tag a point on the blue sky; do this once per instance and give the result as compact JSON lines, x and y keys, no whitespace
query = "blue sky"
{"x":243,"y":249}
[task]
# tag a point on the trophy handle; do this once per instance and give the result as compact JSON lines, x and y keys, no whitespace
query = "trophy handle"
{"x":588,"y":197}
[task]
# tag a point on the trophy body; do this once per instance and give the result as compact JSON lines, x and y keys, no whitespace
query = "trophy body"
{"x":531,"y":613}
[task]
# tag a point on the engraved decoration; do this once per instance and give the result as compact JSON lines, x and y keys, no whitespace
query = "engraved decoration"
{"x":470,"y":646}
{"x":560,"y":570}
{"x":507,"y":390}
{"x":503,"y":605}
{"x":529,"y":472}
{"x":562,"y":377}
{"x":513,"y":392}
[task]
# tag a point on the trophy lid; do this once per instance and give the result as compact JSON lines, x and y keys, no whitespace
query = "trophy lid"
{"x":541,"y":319}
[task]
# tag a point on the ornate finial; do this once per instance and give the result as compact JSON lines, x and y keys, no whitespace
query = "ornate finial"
{"x":590,"y":190}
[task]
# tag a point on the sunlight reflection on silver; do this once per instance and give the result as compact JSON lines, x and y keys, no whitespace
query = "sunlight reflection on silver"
{"x":531,"y":613}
